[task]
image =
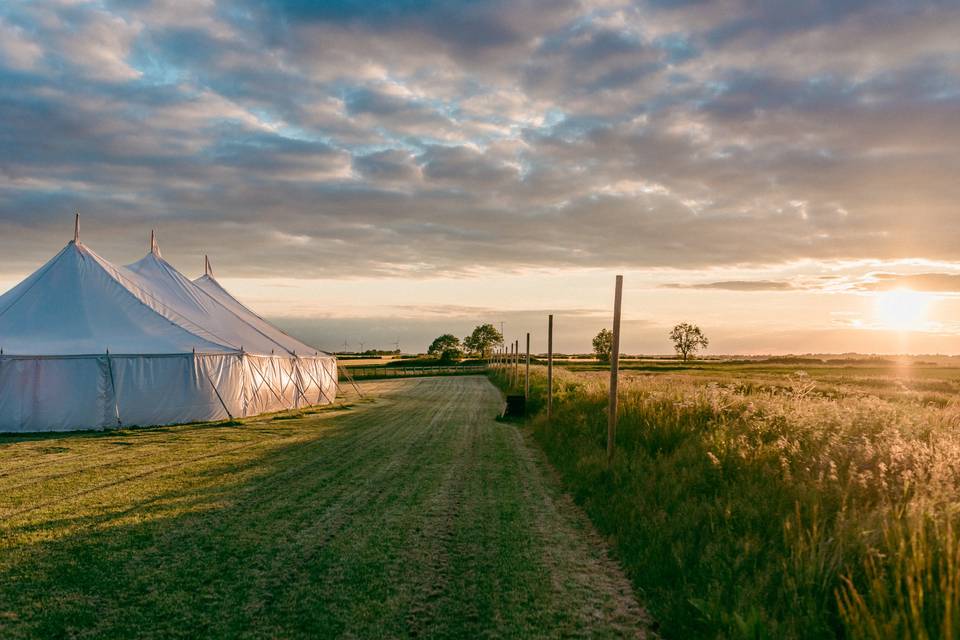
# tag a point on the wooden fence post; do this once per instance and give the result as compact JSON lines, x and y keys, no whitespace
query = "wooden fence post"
{"x":614,"y":371}
{"x":550,"y":367}
{"x":516,"y":361}
{"x":526,"y":378}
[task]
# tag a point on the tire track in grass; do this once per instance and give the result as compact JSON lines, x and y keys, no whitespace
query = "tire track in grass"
{"x":382,"y":486}
{"x":431,"y":550}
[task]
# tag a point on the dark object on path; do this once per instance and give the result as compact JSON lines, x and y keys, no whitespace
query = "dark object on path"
{"x":516,"y":407}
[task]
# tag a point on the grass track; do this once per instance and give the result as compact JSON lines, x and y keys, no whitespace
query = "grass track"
{"x":414,"y":515}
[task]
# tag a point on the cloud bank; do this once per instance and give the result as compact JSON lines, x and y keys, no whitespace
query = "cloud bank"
{"x":424,"y":137}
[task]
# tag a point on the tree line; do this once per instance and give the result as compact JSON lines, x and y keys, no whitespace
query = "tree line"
{"x":687,"y":340}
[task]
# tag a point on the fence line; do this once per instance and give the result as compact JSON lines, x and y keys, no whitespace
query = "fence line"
{"x":367,"y":373}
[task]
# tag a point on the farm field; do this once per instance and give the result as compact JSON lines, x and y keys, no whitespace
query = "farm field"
{"x":411,"y":513}
{"x":761,"y":500}
{"x":895,"y":380}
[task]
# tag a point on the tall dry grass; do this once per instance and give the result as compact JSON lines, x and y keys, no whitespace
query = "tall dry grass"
{"x":744,"y":511}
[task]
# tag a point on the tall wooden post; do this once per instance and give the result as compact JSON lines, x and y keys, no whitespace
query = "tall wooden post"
{"x":526,"y":377}
{"x":549,"y":367}
{"x":614,"y":371}
{"x":516,"y":361}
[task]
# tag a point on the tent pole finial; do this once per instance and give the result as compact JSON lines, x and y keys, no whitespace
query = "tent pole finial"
{"x":154,"y":247}
{"x":76,"y":227}
{"x":207,"y":269}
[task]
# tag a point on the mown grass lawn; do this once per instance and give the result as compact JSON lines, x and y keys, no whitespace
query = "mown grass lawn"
{"x":413,"y":514}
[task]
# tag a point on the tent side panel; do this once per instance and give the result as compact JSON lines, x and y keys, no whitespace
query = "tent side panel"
{"x":225,"y":380}
{"x":271,"y":384}
{"x":318,"y":376}
{"x":54,"y":394}
{"x":278,"y":383}
{"x":155,"y":390}
{"x":63,"y":394}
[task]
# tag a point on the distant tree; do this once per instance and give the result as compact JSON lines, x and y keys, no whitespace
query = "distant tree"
{"x":446,"y":347}
{"x":603,"y":345}
{"x":483,"y":339}
{"x":688,"y":339}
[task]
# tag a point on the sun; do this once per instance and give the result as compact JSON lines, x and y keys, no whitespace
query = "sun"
{"x":902,"y":309}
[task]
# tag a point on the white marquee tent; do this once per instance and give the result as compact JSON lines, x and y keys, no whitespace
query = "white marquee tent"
{"x":88,"y":344}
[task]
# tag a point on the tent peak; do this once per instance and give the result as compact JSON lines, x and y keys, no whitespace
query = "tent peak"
{"x":154,"y":247}
{"x":207,"y":269}
{"x":76,"y":228}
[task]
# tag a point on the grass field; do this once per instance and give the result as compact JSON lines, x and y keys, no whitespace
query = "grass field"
{"x":411,"y":514}
{"x":759,"y":501}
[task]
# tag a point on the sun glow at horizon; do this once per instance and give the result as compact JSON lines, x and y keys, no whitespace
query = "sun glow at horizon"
{"x":902,"y":309}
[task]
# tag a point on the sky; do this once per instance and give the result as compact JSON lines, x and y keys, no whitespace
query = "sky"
{"x":783,"y":174}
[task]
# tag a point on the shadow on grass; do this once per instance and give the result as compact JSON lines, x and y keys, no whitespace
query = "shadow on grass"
{"x":133,"y":430}
{"x":248,"y":546}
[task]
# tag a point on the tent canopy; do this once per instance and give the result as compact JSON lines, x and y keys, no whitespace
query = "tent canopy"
{"x":88,"y":344}
{"x":214,"y":289}
{"x":79,"y":303}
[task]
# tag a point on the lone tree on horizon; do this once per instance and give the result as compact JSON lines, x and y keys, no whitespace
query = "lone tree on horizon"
{"x":688,"y":339}
{"x":483,"y":339}
{"x":603,"y":344}
{"x":446,"y":347}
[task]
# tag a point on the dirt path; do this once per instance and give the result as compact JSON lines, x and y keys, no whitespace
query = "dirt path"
{"x":414,"y":515}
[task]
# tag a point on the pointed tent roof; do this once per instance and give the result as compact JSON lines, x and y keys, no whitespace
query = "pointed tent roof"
{"x":200,"y":307}
{"x":79,"y":303}
{"x":210,"y":285}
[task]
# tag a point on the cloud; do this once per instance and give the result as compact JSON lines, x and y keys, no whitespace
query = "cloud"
{"x":927,"y":282}
{"x":736,"y":285}
{"x":17,"y":50}
{"x":505,"y":135}
{"x":465,"y":167}
{"x":389,"y":165}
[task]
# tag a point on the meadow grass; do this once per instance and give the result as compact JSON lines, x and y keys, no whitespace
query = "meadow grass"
{"x":411,"y":514}
{"x":768,"y":503}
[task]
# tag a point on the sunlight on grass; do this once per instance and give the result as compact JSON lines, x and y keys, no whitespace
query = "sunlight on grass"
{"x":773,"y":503}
